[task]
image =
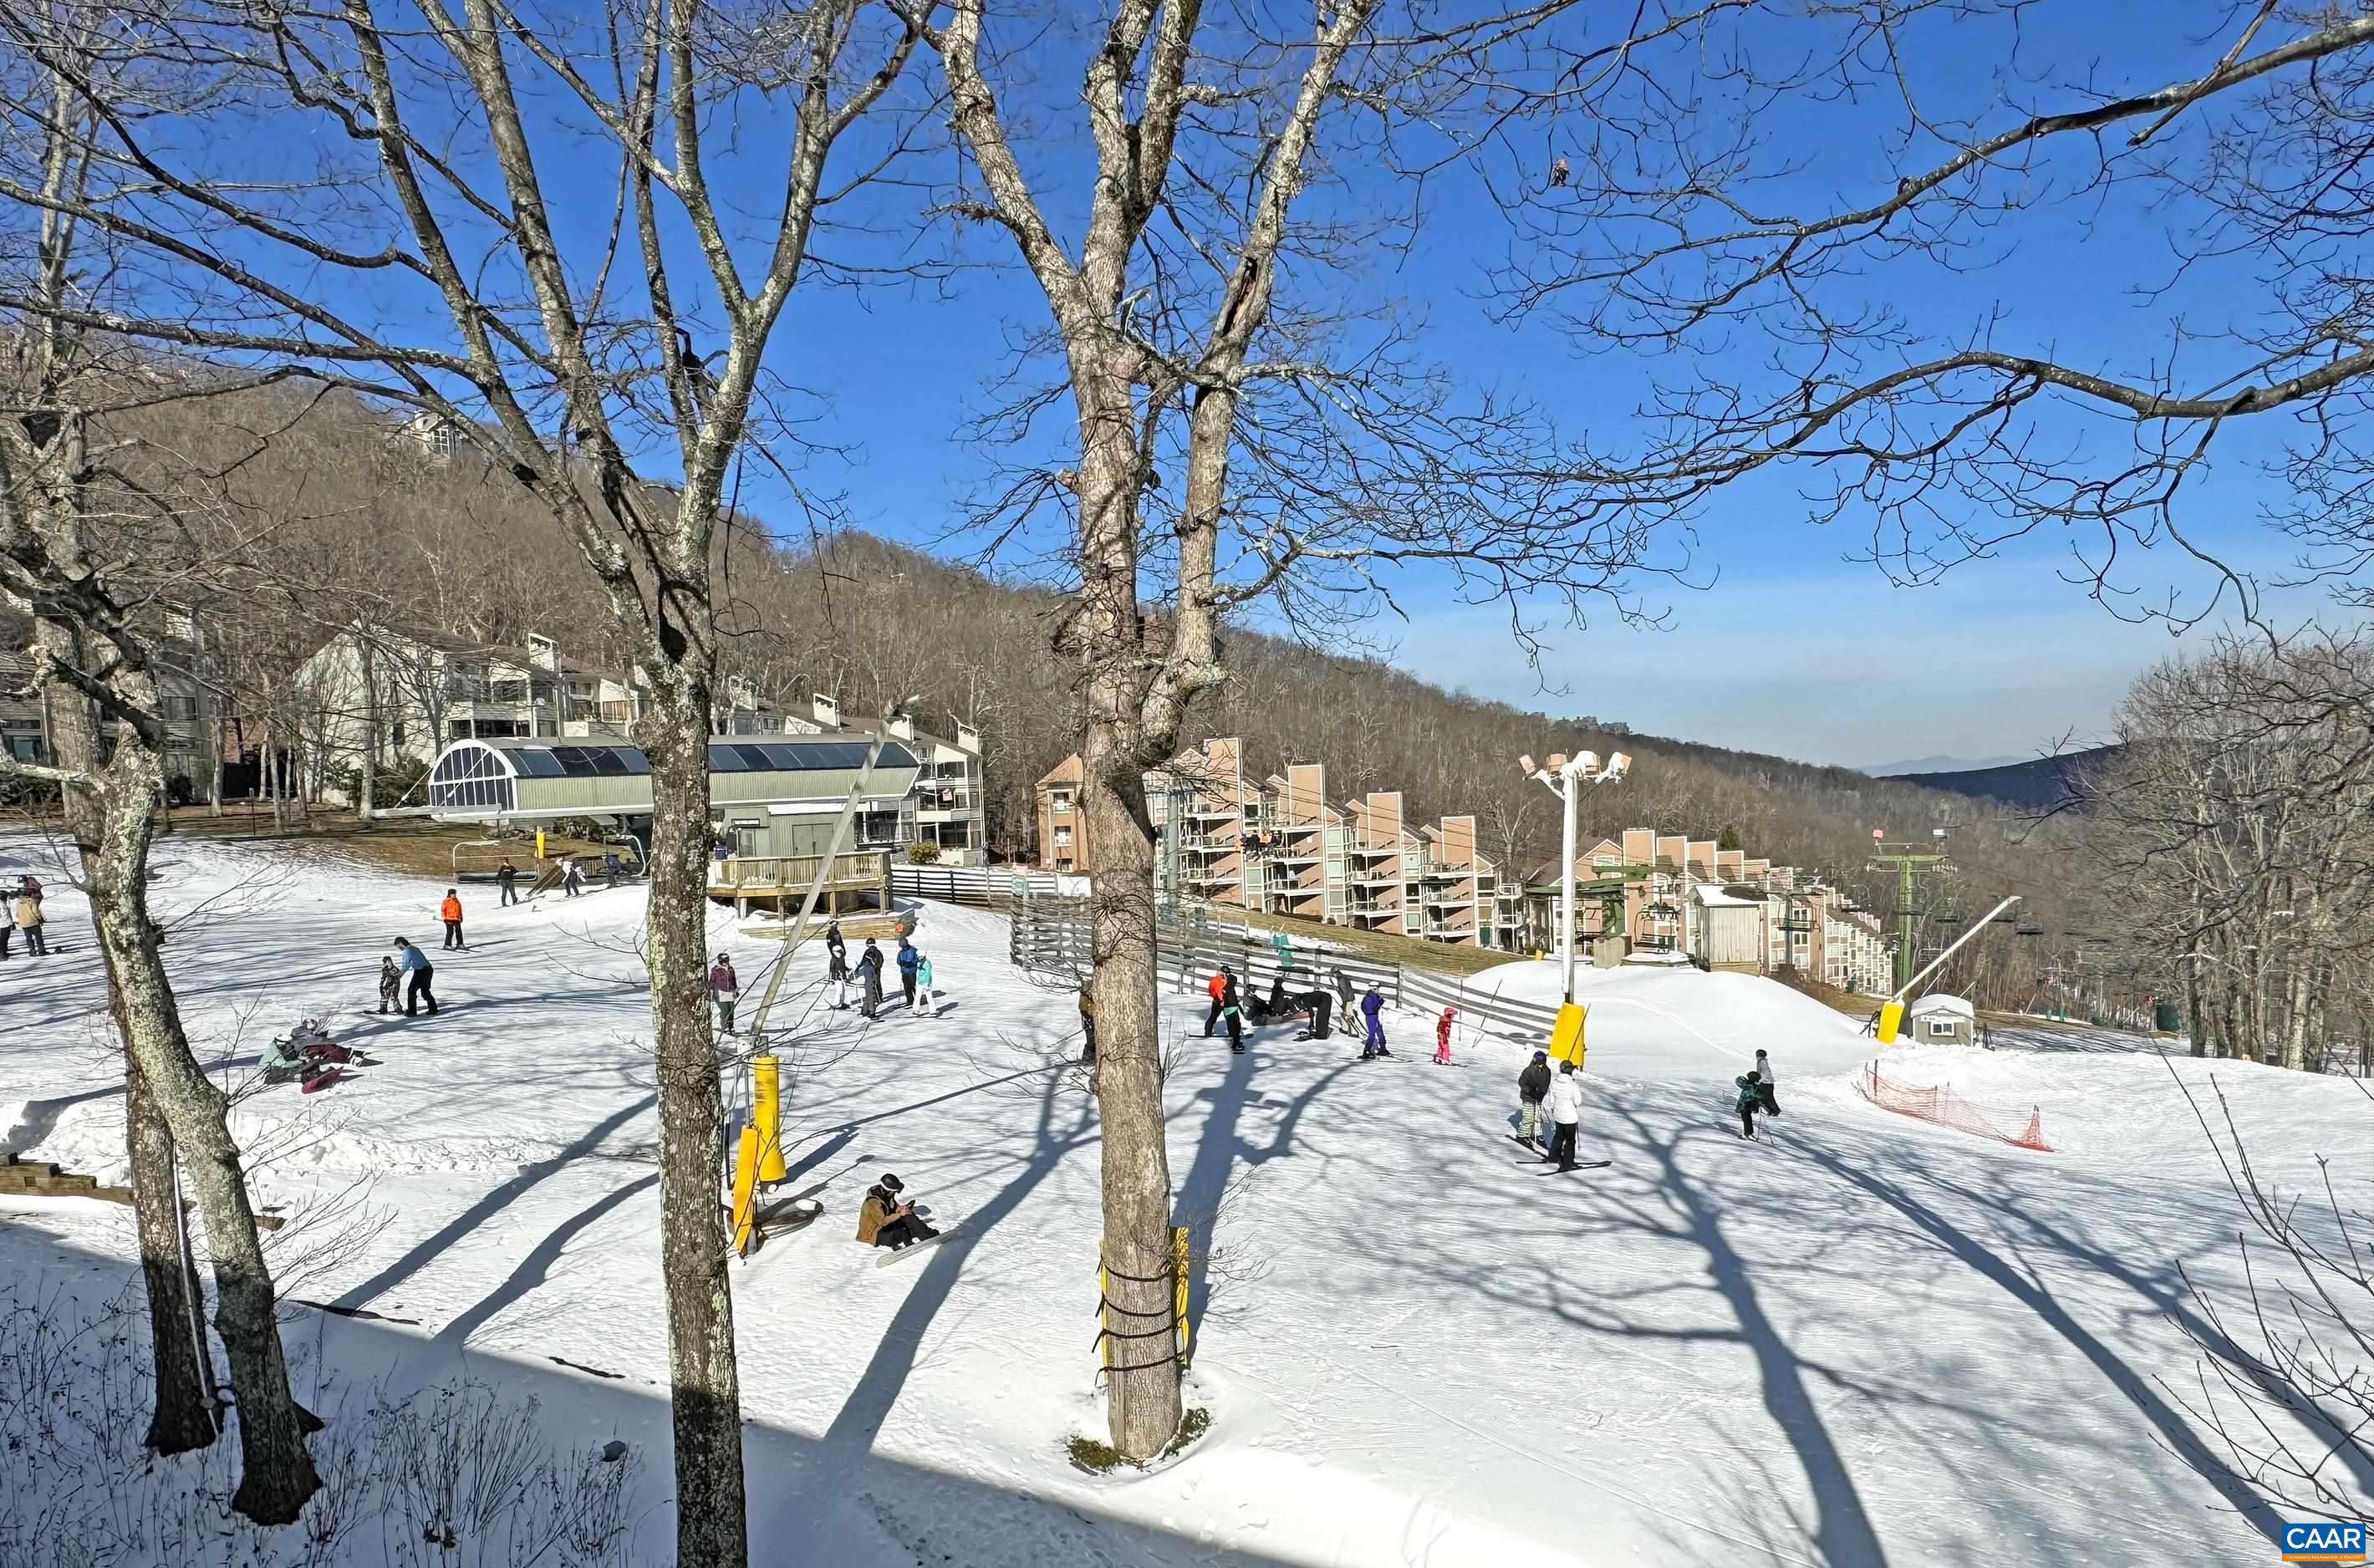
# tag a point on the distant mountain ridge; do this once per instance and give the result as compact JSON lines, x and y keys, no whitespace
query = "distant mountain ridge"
{"x":2036,"y":785}
{"x":1937,"y":764}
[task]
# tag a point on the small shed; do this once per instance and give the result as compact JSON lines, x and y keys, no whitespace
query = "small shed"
{"x":1942,"y":1020}
{"x":1727,"y":928}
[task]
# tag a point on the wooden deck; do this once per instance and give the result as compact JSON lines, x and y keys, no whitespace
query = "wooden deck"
{"x":860,"y":880}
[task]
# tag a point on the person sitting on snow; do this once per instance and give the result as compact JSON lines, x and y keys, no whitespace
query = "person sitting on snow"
{"x":884,"y":1220}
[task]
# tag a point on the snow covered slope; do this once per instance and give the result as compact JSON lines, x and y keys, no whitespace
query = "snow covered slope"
{"x":1864,"y":1340}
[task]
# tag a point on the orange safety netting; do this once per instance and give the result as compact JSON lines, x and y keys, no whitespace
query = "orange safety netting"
{"x":1942,"y":1105}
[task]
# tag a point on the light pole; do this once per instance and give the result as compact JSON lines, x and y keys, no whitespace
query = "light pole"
{"x":1564,"y":777}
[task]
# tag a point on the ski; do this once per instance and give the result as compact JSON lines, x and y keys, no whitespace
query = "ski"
{"x":1578,"y":1166}
{"x":899,"y":1255}
{"x":1533,"y":1143}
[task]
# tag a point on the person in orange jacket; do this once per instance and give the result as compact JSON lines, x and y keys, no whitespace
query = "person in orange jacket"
{"x":451,"y":913}
{"x":1442,"y":1037}
{"x":1219,"y":994}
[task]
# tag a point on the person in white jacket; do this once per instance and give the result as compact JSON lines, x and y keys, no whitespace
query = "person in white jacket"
{"x":1564,"y":1104}
{"x":1764,"y":1084}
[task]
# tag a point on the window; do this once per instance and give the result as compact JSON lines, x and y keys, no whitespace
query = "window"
{"x":1063,"y":838}
{"x":1605,"y":862}
{"x":181,"y":627}
{"x":1940,"y":1028}
{"x":396,"y":733}
{"x":1800,"y":940}
{"x":1059,"y":803}
{"x":506,"y":691}
{"x":178,"y":707}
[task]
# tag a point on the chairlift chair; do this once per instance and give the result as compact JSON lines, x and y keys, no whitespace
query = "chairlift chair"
{"x":477,"y":860}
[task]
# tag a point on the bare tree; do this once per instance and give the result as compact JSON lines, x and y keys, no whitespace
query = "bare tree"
{"x":1863,"y":341}
{"x":1240,"y":436}
{"x":570,"y":359}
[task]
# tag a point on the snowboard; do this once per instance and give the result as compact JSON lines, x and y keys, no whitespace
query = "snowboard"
{"x":1578,"y":1166}
{"x":900,"y":1255}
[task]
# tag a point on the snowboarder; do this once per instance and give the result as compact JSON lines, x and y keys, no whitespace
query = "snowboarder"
{"x":1564,"y":1102}
{"x":726,"y":987}
{"x":923,"y":983}
{"x":907,"y":959}
{"x":884,"y":1220}
{"x":1531,"y":1084}
{"x":451,"y":913}
{"x":1318,"y":1004}
{"x":1217,"y":989}
{"x":573,"y":877}
{"x":1373,"y":1007}
{"x":1088,"y":1027}
{"x":1764,"y":1084}
{"x":869,"y":974}
{"x":1442,"y":1037}
{"x":836,"y":969}
{"x":29,"y":921}
{"x":507,"y":878}
{"x":389,"y":978}
{"x":413,"y":963}
{"x":1751,"y":1099}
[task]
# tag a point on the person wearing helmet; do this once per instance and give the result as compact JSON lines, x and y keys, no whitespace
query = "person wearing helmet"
{"x":1531,"y":1084}
{"x":1442,"y":1037}
{"x":887,"y":1220}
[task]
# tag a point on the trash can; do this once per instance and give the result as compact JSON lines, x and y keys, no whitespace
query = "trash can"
{"x":2166,"y":1018}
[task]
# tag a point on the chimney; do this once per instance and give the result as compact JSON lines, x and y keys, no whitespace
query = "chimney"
{"x":828,"y":711}
{"x":901,"y":725}
{"x":968,"y":738}
{"x":543,"y":653}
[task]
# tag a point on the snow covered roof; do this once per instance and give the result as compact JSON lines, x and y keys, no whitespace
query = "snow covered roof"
{"x":1716,"y":897}
{"x":1938,"y":1001}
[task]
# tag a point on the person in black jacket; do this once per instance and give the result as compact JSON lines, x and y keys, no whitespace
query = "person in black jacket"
{"x":1232,"y":1015}
{"x":1531,"y":1084}
{"x":1317,"y":1004}
{"x":869,"y":970}
{"x":507,"y":876}
{"x":836,"y":969}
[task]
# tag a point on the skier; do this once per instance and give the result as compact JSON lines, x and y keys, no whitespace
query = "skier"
{"x":726,"y":987}
{"x":907,"y":959}
{"x":451,"y":913}
{"x":1751,"y":1098}
{"x":389,"y":979}
{"x":835,"y":943}
{"x":869,"y":975}
{"x":1372,"y":1006}
{"x":836,"y":969}
{"x":1217,"y":990}
{"x":1343,"y":992}
{"x":1233,"y":1016}
{"x":412,"y":962}
{"x":1564,"y":1102}
{"x":1087,"y":1025}
{"x":1317,"y":1004}
{"x":1531,"y":1084}
{"x":1442,"y":1037}
{"x":572,"y":879}
{"x":29,"y":921}
{"x":1764,"y":1084}
{"x":884,"y":1220}
{"x":923,"y":984}
{"x":507,"y":878}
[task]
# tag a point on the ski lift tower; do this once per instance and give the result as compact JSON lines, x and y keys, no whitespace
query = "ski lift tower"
{"x":1910,"y":862}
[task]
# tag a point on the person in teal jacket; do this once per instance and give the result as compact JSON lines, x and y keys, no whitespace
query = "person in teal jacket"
{"x":1751,"y":1097}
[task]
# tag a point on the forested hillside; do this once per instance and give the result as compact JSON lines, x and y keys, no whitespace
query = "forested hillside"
{"x":329,"y":512}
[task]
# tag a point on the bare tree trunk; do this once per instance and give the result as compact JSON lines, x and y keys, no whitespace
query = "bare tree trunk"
{"x":184,"y":1414}
{"x":707,"y":1393}
{"x":2300,"y":993}
{"x":366,"y":790}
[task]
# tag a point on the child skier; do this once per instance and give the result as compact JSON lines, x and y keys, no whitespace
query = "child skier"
{"x":1751,"y":1099}
{"x":924,"y":1002}
{"x":836,"y":969}
{"x":1233,"y":1016}
{"x":726,"y":987}
{"x":1531,"y":1084}
{"x":389,"y":980}
{"x":1442,"y":1037}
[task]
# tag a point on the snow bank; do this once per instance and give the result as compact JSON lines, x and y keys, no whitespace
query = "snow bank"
{"x":1659,"y":1023}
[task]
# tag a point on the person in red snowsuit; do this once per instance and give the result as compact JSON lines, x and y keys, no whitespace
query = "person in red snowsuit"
{"x":1442,"y":1037}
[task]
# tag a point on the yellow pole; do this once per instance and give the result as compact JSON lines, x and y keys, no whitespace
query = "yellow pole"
{"x":745,"y":1195}
{"x":767,"y":1114}
{"x":1179,"y":1250}
{"x":539,"y":844}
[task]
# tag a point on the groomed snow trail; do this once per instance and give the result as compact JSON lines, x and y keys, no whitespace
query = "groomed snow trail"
{"x":1860,"y":1341}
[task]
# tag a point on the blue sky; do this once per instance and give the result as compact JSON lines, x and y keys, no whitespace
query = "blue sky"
{"x":1793,"y":648}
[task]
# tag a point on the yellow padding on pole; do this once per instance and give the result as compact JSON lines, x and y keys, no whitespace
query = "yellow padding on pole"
{"x":1565,"y":1035}
{"x":1891,"y":1018}
{"x":539,"y":844}
{"x":745,"y":1195}
{"x":1179,"y":1250}
{"x":767,"y":1115}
